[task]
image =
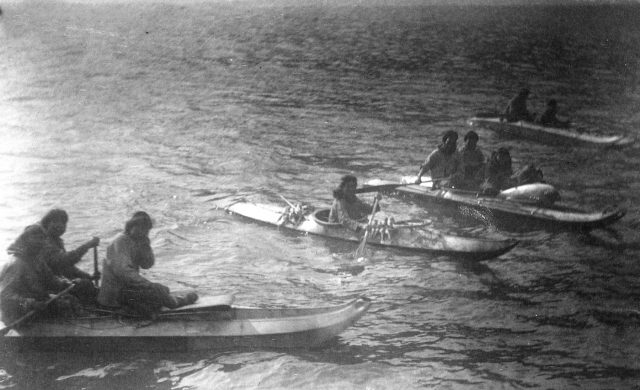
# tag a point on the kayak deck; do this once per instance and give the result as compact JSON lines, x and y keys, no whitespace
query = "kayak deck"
{"x":411,"y":238}
{"x":549,"y":135}
{"x":554,"y":215}
{"x":205,"y":329}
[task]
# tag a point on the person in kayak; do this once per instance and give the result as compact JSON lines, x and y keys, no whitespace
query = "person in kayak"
{"x":27,"y":281}
{"x":347,"y":209}
{"x":471,"y":173}
{"x":63,"y":262}
{"x":549,"y":116}
{"x":443,"y":162}
{"x":517,"y":108}
{"x":498,"y":172}
{"x":121,"y":283}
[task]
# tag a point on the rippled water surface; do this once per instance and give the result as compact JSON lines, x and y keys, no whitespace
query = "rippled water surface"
{"x":174,"y":109}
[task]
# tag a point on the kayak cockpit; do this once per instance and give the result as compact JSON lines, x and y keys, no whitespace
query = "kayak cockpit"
{"x":321,"y":217}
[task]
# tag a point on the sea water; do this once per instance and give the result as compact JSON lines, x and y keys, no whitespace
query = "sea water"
{"x":178,"y":107}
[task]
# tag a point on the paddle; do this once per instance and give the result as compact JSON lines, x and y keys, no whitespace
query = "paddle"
{"x":363,"y":243}
{"x":391,"y":186}
{"x":30,"y":314}
{"x":289,"y":203}
{"x":96,"y":273}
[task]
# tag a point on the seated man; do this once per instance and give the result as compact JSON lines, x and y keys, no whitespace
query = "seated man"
{"x":517,"y":108}
{"x":121,"y":283}
{"x":471,"y":172}
{"x":347,"y":208}
{"x":443,"y":162}
{"x":63,"y":263}
{"x":549,"y":117}
{"x":498,"y":172}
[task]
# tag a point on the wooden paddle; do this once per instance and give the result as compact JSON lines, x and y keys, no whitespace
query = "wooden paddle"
{"x":30,"y":314}
{"x":391,"y":186}
{"x":363,"y":243}
{"x":95,"y":266}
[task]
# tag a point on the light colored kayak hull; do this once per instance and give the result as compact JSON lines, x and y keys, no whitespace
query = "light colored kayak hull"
{"x":422,"y":240}
{"x":554,"y":216}
{"x":549,"y":135}
{"x":223,"y":329}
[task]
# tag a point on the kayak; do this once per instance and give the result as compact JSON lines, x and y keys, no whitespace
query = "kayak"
{"x":549,"y":135}
{"x":413,"y":236}
{"x":555,"y":216}
{"x":190,"y":328}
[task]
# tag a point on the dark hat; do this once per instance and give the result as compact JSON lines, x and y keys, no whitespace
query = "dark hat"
{"x":471,"y":135}
{"x":524,"y":91}
{"x":552,"y":102}
{"x":139,"y":218}
{"x":448,"y":134}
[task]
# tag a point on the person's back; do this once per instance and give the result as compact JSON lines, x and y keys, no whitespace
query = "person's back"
{"x":498,"y":172}
{"x":517,"y":108}
{"x":549,"y":116}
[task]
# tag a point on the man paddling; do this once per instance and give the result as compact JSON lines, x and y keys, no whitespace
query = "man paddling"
{"x":121,"y":283}
{"x":443,"y":162}
{"x":63,"y":262}
{"x":347,"y":208}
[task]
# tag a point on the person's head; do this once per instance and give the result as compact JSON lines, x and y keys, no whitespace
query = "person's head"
{"x":449,"y":141}
{"x":54,"y":222}
{"x":139,"y":225}
{"x":471,"y":139}
{"x":347,"y":187}
{"x":524,"y":92}
{"x":552,"y":103}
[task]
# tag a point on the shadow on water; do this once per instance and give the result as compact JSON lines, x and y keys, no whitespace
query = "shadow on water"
{"x":139,"y":370}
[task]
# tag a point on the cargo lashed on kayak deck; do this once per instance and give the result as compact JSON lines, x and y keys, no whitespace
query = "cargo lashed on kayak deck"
{"x":410,"y":236}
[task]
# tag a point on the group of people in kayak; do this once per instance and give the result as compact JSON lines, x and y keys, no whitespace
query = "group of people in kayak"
{"x":464,"y":169}
{"x":41,"y":268}
{"x":517,"y":110}
{"x":467,"y":169}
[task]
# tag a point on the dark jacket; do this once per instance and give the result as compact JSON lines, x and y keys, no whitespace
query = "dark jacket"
{"x":22,"y":280}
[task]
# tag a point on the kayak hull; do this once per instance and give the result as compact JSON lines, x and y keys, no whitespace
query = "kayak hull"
{"x":213,"y":329}
{"x":417,"y":238}
{"x":554,"y":216}
{"x":548,"y":135}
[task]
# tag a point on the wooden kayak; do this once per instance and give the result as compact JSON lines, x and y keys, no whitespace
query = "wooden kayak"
{"x":554,"y":216}
{"x":549,"y":135}
{"x":194,"y":328}
{"x":413,"y":237}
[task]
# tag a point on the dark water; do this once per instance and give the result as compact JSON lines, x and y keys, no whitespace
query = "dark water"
{"x":107,"y":109}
